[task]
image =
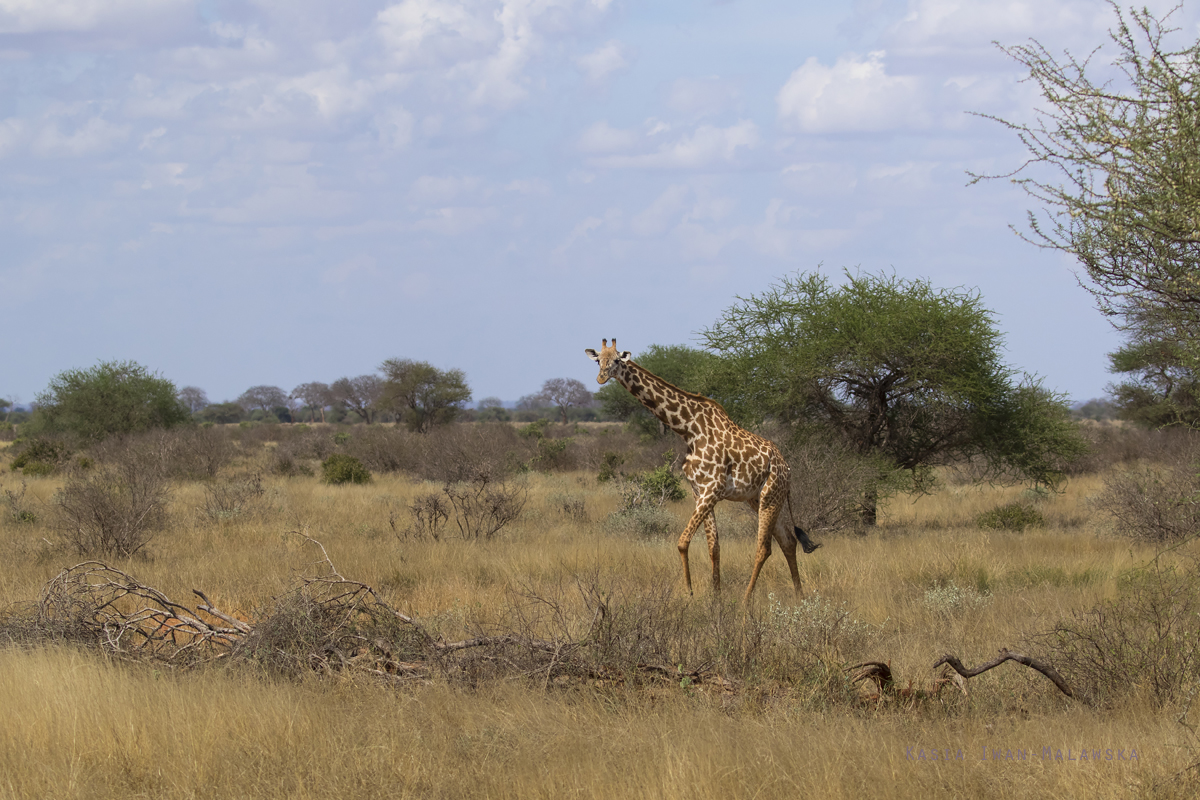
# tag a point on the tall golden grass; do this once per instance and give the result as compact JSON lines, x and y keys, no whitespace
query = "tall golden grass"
{"x":77,"y":724}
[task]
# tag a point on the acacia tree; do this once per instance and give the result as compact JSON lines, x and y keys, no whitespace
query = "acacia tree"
{"x":266,"y":398}
{"x":564,"y":393}
{"x":112,"y":397}
{"x":903,"y":373}
{"x":361,"y":395}
{"x":316,"y":396}
{"x":1115,"y":167}
{"x":1160,"y":386}
{"x":423,"y":395}
{"x":193,"y":398}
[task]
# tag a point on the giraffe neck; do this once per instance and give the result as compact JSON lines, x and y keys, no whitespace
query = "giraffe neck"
{"x":675,"y":408}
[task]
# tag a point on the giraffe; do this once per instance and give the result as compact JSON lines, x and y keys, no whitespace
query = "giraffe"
{"x":724,"y":462}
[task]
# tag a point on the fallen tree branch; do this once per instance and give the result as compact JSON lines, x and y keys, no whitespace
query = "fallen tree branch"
{"x":1007,"y":655}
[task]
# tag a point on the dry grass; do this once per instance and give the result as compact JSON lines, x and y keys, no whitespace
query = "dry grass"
{"x":77,"y":724}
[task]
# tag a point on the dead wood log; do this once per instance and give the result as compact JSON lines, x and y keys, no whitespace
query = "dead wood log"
{"x":1007,"y":655}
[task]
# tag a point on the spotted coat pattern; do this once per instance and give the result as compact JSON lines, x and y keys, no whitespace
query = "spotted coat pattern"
{"x":724,"y":462}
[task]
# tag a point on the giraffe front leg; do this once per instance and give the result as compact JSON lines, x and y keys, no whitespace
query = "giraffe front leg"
{"x":704,"y":506}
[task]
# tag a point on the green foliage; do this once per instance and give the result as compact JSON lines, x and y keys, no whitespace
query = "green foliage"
{"x":680,"y":365}
{"x":662,"y":482}
{"x":551,"y":453}
{"x":608,"y":469}
{"x":896,"y":368}
{"x":221,"y":413}
{"x":38,"y":469}
{"x":40,"y":455}
{"x":1015,"y":516}
{"x":535,"y":429}
{"x":18,"y":510}
{"x":1161,"y":386}
{"x":422,"y":395}
{"x":341,"y":468}
{"x":113,"y":397}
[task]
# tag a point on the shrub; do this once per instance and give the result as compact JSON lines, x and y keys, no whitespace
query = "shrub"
{"x":608,"y":469}
{"x":1146,"y":639}
{"x":18,"y":511}
{"x":340,"y":468}
{"x":1155,"y":503}
{"x":828,"y":482}
{"x":383,"y":449}
{"x":38,"y":469}
{"x":232,"y":498}
{"x":1015,"y":516}
{"x":40,"y":455}
{"x":949,"y":598}
{"x":454,"y":453}
{"x":199,"y":452}
{"x":662,"y":483}
{"x":641,"y":512}
{"x":478,"y":508}
{"x":114,"y":508}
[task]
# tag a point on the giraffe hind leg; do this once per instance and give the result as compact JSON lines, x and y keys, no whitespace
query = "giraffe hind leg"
{"x":770,"y":503}
{"x":714,"y":548}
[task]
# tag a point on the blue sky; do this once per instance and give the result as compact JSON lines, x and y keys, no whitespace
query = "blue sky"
{"x":283,"y":191}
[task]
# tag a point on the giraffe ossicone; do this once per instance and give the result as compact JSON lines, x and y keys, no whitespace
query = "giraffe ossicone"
{"x":724,"y":461}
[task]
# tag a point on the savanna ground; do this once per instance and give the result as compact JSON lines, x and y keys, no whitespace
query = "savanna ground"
{"x":633,"y":689}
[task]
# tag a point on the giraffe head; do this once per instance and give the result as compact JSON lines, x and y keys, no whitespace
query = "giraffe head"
{"x":609,"y":359}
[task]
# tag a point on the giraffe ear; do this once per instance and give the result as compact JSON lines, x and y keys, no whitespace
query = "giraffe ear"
{"x":592,"y":355}
{"x":626,"y":355}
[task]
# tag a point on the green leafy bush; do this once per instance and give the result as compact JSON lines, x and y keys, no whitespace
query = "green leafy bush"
{"x":662,"y":483}
{"x":340,"y":468}
{"x":608,"y":469}
{"x":40,"y":455}
{"x":1011,"y":517}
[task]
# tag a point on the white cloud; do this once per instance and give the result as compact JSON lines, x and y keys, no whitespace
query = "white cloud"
{"x":456,"y":220}
{"x":12,"y":131}
{"x":395,"y":126}
{"x":666,"y":209}
{"x":356,"y":267}
{"x":783,"y":234}
{"x":44,"y":16}
{"x":853,"y":95}
{"x":599,"y":64}
{"x":580,"y":231}
{"x":603,"y":138}
{"x":437,"y":190}
{"x":95,"y":135}
{"x":707,"y":146}
{"x":944,"y":27}
{"x":435,"y":32}
{"x":483,"y":45}
{"x":702,"y":96}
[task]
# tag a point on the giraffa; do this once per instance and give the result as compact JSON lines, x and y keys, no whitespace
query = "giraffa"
{"x":724,"y":462}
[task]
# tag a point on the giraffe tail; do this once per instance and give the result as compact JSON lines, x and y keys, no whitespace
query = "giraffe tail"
{"x":801,"y":536}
